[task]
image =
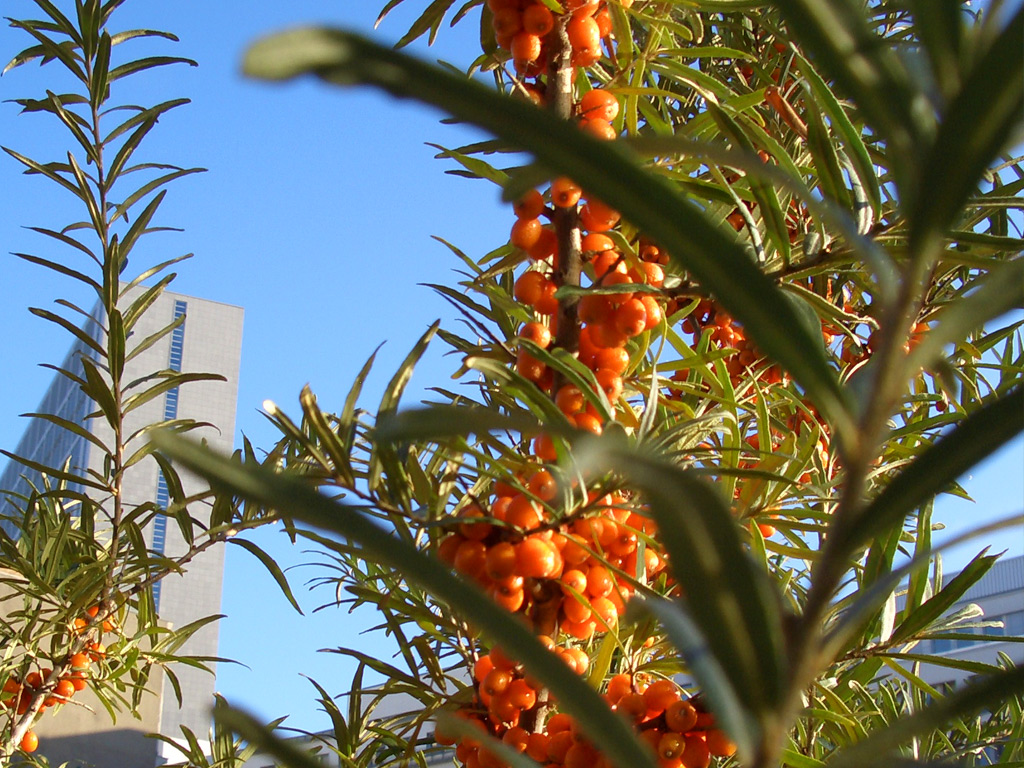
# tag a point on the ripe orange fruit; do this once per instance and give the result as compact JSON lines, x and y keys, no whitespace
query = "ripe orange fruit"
{"x":538,"y":20}
{"x":599,"y":103}
{"x":65,"y":689}
{"x":583,"y":32}
{"x":719,"y":744}
{"x":29,"y":742}
{"x":530,"y":205}
{"x":506,"y":22}
{"x":536,"y":558}
{"x":525,"y":47}
{"x":529,"y":287}
{"x":525,"y":233}
{"x":681,"y":716}
{"x":565,"y":193}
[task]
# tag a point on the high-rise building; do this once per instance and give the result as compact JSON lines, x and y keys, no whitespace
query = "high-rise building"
{"x":209,"y":341}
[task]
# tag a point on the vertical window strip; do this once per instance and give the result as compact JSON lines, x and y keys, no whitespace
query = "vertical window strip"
{"x":170,"y":413}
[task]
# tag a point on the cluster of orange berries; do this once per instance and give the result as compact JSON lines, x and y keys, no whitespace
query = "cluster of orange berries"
{"x":679,"y":731}
{"x":725,"y":333}
{"x":567,"y":575}
{"x":17,"y":695}
{"x":521,"y":26}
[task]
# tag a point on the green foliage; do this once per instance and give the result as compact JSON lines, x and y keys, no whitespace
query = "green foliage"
{"x":858,"y":154}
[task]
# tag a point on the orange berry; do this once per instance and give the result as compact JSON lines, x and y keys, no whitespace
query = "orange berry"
{"x":537,"y":746}
{"x":500,"y":562}
{"x":525,"y":233}
{"x":681,"y":716}
{"x":576,"y":612}
{"x":524,"y":513}
{"x":471,"y":558}
{"x":610,"y":382}
{"x":529,"y":367}
{"x":529,"y":287}
{"x":600,"y":129}
{"x":530,"y":205}
{"x":65,"y":689}
{"x":506,"y":22}
{"x":559,"y":745}
{"x":538,"y":20}
{"x":29,"y":742}
{"x":600,"y":582}
{"x":544,"y":448}
{"x":521,"y":694}
{"x":660,"y":695}
{"x":497,"y":681}
{"x":719,"y":744}
{"x":472,"y":529}
{"x":695,"y":752}
{"x":633,"y":706}
{"x":500,"y":659}
{"x":588,"y":422}
{"x":545,"y":248}
{"x":598,"y":217}
{"x":596,"y":242}
{"x":536,"y":332}
{"x":525,"y":47}
{"x":547,"y":304}
{"x":565,"y":193}
{"x":630,"y":318}
{"x":670,"y":746}
{"x":618,"y":687}
{"x":570,"y":399}
{"x":599,"y":103}
{"x":583,"y":32}
{"x":543,"y":485}
{"x":654,"y":312}
{"x":536,"y":558}
{"x":614,"y":359}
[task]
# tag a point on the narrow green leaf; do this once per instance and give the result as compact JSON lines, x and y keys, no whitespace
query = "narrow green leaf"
{"x":173,"y":379}
{"x":920,"y":618}
{"x":116,"y":340}
{"x":101,"y":71}
{"x":55,"y":473}
{"x":149,"y":62}
{"x":67,"y":325}
{"x":272,"y":567}
{"x":138,"y":227}
{"x":294,"y":497}
{"x":826,"y":160}
{"x":430,"y":20}
{"x":608,"y":170}
{"x":46,"y":171}
{"x":121,"y":210}
{"x":443,"y":421}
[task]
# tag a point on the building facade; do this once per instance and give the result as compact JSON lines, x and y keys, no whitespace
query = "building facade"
{"x":209,"y":341}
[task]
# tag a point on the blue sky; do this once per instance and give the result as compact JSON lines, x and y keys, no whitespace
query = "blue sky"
{"x":316,"y":216}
